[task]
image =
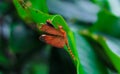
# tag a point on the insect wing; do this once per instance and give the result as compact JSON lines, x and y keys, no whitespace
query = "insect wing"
{"x":50,"y":30}
{"x":53,"y":40}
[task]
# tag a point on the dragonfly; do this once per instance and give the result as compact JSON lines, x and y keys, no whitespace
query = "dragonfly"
{"x":54,"y":37}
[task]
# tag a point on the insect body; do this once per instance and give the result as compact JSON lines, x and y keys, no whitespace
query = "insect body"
{"x":54,"y":37}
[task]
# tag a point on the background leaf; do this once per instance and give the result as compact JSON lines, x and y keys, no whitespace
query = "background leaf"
{"x":107,"y":23}
{"x":109,"y":47}
{"x":89,"y":62}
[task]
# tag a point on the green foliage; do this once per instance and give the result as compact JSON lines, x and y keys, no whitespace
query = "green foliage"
{"x":108,"y":23}
{"x":110,"y":47}
{"x":78,"y":44}
{"x":95,"y":48}
{"x":41,"y":17}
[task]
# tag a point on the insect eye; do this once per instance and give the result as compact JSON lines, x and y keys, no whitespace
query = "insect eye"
{"x":60,"y":27}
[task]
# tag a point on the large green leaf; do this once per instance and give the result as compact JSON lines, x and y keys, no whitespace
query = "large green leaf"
{"x":112,"y":49}
{"x":110,"y":46}
{"x":20,"y":6}
{"x":88,"y":61}
{"x":39,"y":17}
{"x":107,"y":23}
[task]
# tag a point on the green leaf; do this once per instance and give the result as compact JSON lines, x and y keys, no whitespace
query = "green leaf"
{"x":112,"y":49}
{"x":87,"y":61}
{"x":22,"y":13}
{"x":40,"y":17}
{"x":40,"y":5}
{"x":107,"y":23}
{"x":110,"y":46}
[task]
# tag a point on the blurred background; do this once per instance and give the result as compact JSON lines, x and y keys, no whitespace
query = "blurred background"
{"x":21,"y":51}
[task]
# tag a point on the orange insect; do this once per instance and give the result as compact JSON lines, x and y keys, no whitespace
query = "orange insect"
{"x":54,"y":37}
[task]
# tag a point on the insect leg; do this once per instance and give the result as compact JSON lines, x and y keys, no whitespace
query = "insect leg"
{"x":69,"y":50}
